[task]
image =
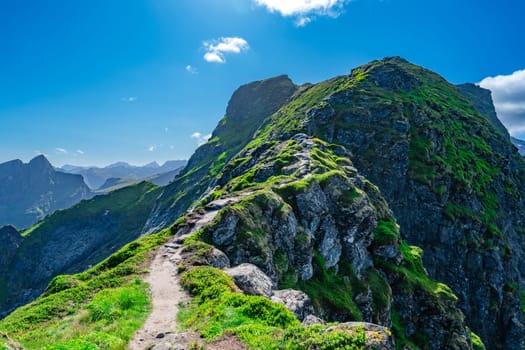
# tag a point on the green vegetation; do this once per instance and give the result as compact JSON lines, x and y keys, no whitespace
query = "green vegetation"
{"x":477,"y":343}
{"x":331,"y":292}
{"x":198,"y":253}
{"x":131,"y":205}
{"x":386,"y":232}
{"x":219,"y":163}
{"x":414,"y":273}
{"x":100,"y":308}
{"x":217,"y":309}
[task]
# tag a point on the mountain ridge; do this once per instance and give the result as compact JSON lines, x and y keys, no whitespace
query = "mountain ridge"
{"x":327,"y":172}
{"x":96,"y":176}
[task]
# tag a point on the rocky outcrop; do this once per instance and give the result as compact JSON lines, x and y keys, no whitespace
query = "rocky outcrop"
{"x":451,"y":177}
{"x":296,"y":301}
{"x":29,"y":192}
{"x":251,"y":280}
{"x":481,"y":99}
{"x":318,"y":230}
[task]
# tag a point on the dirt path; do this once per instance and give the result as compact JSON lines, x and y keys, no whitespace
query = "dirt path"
{"x":166,"y":295}
{"x":160,"y":329}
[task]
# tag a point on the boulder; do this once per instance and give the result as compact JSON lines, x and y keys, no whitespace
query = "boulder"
{"x":218,"y":259}
{"x":312,"y":319}
{"x":296,"y":301}
{"x":251,"y":280}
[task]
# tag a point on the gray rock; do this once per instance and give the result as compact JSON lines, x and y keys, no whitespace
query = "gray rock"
{"x":219,"y":260}
{"x":251,"y":280}
{"x":296,"y":301}
{"x":225,"y":234}
{"x":312,"y":319}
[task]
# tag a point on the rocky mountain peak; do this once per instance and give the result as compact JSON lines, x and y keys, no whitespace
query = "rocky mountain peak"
{"x":40,"y":163}
{"x":249,"y":105}
{"x":28,"y":192}
{"x":259,"y":97}
{"x":481,"y":99}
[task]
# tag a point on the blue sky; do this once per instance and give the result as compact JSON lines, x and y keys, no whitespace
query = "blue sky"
{"x":94,"y":82}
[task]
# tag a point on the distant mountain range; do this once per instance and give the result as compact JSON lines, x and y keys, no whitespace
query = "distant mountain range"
{"x":96,"y":177}
{"x":28,"y":192}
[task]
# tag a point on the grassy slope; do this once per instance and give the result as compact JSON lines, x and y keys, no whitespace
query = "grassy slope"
{"x":128,"y":207}
{"x":99,"y":308}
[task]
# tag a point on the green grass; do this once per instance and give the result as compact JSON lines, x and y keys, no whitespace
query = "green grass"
{"x":100,"y":308}
{"x":331,"y":293}
{"x":216,"y":309}
{"x":386,"y":232}
{"x":414,"y":274}
{"x":477,"y":343}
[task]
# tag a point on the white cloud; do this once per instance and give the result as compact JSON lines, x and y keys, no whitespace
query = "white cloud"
{"x":201,"y":139}
{"x":79,"y":151}
{"x":61,"y":150}
{"x":508,"y":92}
{"x":304,"y":10}
{"x":129,"y":99}
{"x":191,"y":69}
{"x":217,"y":48}
{"x":302,"y":21}
{"x":152,"y":148}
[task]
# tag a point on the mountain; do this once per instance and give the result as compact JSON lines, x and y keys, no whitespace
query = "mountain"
{"x":113,"y":183}
{"x":69,"y":241}
{"x":249,"y":107}
{"x":95,"y":177}
{"x":388,"y":201}
{"x":29,"y":192}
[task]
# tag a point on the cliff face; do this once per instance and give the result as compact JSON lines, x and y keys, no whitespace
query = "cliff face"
{"x":451,"y":177}
{"x":309,"y":221}
{"x":28,"y":192}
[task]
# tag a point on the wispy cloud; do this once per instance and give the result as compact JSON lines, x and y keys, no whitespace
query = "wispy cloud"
{"x":80,"y":152}
{"x":61,"y":150}
{"x":191,"y":69}
{"x":129,"y":99}
{"x":508,"y":92}
{"x":216,"y":49}
{"x":201,"y":139}
{"x":152,"y":148}
{"x":304,"y":11}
